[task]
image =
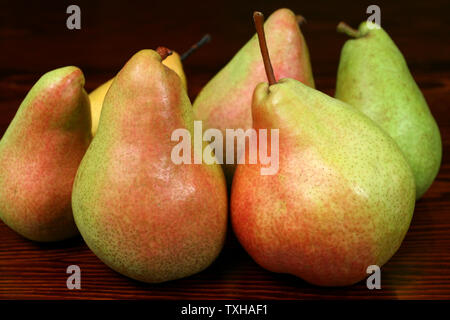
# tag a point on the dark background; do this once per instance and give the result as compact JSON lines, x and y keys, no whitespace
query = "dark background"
{"x":34,"y":39}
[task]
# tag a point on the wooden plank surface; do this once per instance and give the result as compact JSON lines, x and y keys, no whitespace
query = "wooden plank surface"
{"x":34,"y":39}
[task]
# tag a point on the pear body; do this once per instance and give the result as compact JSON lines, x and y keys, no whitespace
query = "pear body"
{"x":97,"y":96}
{"x":139,"y":212}
{"x":373,"y":77}
{"x":343,"y":196}
{"x":39,"y":156}
{"x":225,"y":101}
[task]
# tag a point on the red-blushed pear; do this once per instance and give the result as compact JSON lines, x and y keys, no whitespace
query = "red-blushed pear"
{"x":343,"y":197}
{"x":139,"y":212}
{"x":39,"y":156}
{"x":225,"y":102}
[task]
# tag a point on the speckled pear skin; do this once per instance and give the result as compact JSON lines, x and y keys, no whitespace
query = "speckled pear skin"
{"x":225,"y":101}
{"x":373,"y":76}
{"x":39,"y":157}
{"x":141,"y":214}
{"x":343,"y":197}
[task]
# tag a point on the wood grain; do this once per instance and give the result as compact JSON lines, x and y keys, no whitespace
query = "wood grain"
{"x":34,"y":39}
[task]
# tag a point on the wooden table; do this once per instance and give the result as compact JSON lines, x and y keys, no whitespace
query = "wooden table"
{"x":34,"y":39}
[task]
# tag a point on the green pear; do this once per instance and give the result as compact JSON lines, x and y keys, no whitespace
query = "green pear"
{"x":39,"y":156}
{"x":342,"y":198}
{"x":140,"y":213}
{"x":225,"y":101}
{"x":373,"y":77}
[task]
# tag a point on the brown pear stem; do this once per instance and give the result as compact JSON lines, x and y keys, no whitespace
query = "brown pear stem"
{"x":342,"y":27}
{"x":258,"y":18}
{"x":300,"y":19}
{"x":163,"y":52}
{"x":204,"y":40}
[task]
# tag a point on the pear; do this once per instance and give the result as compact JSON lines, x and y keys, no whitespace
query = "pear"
{"x":343,"y":196}
{"x":225,"y":101}
{"x":373,"y":77}
{"x":140,"y":213}
{"x":39,"y":156}
{"x":97,"y":96}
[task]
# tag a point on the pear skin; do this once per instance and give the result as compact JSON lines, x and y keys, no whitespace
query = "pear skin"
{"x":343,"y":197}
{"x":174,"y":62}
{"x":39,"y":156}
{"x":139,"y":212}
{"x":225,"y":102}
{"x":98,"y":95}
{"x":373,"y":76}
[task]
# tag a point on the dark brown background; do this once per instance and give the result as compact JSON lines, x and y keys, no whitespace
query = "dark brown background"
{"x":34,"y":40}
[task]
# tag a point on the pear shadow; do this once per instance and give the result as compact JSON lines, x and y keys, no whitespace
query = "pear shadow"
{"x":76,"y":241}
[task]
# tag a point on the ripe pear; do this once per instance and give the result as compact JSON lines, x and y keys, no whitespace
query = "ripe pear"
{"x":98,"y":95}
{"x":139,"y":212}
{"x":373,"y":77}
{"x":39,"y":156}
{"x":343,"y":196}
{"x":225,"y":101}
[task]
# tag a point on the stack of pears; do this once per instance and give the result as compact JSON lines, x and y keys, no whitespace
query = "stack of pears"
{"x":174,"y":61}
{"x":350,"y":168}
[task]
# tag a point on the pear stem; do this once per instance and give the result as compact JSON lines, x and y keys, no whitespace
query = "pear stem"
{"x":163,"y":52}
{"x":342,"y":27}
{"x":204,"y":40}
{"x":300,"y":19}
{"x":258,"y":18}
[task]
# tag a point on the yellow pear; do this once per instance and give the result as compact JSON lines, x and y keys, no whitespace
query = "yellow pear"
{"x":97,"y":96}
